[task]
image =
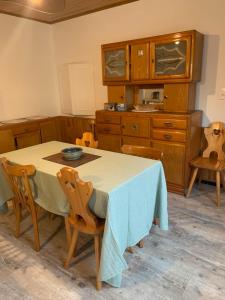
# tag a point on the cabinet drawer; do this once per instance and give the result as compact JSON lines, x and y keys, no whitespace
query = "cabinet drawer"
{"x":169,"y":123}
{"x":169,"y":135}
{"x":107,"y":118}
{"x":129,"y":140}
{"x":136,"y":127}
{"x":108,"y":128}
{"x":25,"y":128}
{"x":109,"y":142}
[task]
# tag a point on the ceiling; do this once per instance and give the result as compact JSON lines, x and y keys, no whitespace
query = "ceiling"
{"x":53,"y":11}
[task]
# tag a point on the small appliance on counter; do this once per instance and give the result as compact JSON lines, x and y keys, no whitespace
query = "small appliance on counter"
{"x":111,"y":106}
{"x":121,"y":107}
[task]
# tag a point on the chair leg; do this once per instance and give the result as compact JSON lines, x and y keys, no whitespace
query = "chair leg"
{"x":97,"y":258}
{"x":218,"y":188}
{"x":200,"y":177}
{"x":141,"y":244}
{"x":18,"y":215}
{"x":68,"y":231}
{"x":222,"y":174}
{"x":36,"y":232}
{"x":130,"y":250}
{"x":195,"y":172}
{"x":72,"y":247}
{"x":156,"y":221}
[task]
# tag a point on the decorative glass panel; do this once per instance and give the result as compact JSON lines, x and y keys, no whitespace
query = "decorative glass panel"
{"x":115,"y":63}
{"x":170,"y":58}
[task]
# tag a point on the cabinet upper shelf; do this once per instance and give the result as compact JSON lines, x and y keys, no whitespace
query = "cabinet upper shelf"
{"x":175,"y":57}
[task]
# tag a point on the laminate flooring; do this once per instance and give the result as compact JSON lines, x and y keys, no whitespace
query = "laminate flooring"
{"x":186,"y":262}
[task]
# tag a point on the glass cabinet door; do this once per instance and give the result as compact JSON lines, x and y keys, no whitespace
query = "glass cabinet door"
{"x":171,"y":59}
{"x":115,"y":63}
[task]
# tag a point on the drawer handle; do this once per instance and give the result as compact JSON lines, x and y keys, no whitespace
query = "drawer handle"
{"x":134,"y":126}
{"x":168,"y":124}
{"x":167,"y":136}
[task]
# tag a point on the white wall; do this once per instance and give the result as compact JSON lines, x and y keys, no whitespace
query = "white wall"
{"x":27,"y":70}
{"x":79,"y":40}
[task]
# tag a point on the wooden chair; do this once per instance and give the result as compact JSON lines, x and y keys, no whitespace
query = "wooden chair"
{"x":147,"y":152}
{"x":7,"y":142}
{"x":18,"y":178}
{"x":213,"y":157}
{"x":80,"y":216}
{"x":87,"y":140}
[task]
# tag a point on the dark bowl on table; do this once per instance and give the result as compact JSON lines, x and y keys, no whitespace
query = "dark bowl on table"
{"x":72,"y":153}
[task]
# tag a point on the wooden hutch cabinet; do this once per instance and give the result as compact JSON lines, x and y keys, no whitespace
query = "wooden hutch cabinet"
{"x":162,"y":70}
{"x":176,"y":57}
{"x":140,"y":61}
{"x":168,"y":58}
{"x":115,"y":63}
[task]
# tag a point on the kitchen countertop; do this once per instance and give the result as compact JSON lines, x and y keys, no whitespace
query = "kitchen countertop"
{"x":34,"y":118}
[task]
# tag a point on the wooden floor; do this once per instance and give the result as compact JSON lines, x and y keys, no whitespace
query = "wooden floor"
{"x":187,"y":262}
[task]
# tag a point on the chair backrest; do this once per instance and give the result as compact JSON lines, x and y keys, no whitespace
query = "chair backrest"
{"x":18,"y":177}
{"x":78,"y":194}
{"x":147,"y":152}
{"x":87,"y":140}
{"x":7,"y":142}
{"x":215,"y":136}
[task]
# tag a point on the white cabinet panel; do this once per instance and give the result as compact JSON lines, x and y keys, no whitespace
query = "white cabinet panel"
{"x":77,"y":89}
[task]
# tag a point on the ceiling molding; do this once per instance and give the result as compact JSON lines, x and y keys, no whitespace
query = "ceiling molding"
{"x":73,"y":9}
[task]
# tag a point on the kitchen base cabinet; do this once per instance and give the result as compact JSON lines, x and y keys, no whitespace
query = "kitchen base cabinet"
{"x":82,"y":125}
{"x":68,"y":130}
{"x":177,"y":135}
{"x":174,"y":164}
{"x":28,"y":139}
{"x":74,"y":127}
{"x":7,"y":141}
{"x":49,"y":131}
{"x":109,"y":142}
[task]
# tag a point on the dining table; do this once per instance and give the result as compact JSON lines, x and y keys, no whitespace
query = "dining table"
{"x":129,"y":192}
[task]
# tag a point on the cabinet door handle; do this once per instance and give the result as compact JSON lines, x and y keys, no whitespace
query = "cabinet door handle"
{"x":134,"y":126}
{"x":165,"y":97}
{"x":168,"y":124}
{"x":167,"y":136}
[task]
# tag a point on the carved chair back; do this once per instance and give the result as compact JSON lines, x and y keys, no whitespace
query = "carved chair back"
{"x":18,"y":177}
{"x":87,"y":140}
{"x":78,"y":194}
{"x":147,"y":152}
{"x":215,"y":136}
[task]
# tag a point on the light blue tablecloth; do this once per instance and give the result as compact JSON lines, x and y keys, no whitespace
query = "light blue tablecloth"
{"x":129,"y":206}
{"x":130,"y":212}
